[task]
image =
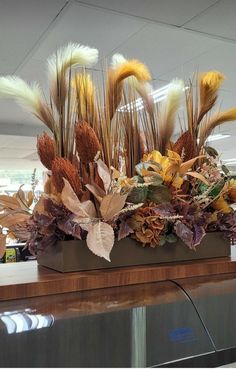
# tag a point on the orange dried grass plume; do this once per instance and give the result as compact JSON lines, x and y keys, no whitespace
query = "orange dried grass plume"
{"x":62,"y":168}
{"x":46,"y":150}
{"x":87,"y":143}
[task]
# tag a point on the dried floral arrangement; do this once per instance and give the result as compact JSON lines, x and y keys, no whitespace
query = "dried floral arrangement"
{"x":113,"y":168}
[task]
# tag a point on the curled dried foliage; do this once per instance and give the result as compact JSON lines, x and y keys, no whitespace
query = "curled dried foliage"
{"x":184,"y":146}
{"x":46,"y":150}
{"x":147,"y":226}
{"x":87,"y":143}
{"x":62,"y":168}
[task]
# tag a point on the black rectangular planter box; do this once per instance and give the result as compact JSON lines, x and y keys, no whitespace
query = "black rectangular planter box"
{"x":70,"y":256}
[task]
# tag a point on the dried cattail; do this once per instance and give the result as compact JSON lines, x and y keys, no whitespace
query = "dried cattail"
{"x":184,"y":146}
{"x":46,"y":150}
{"x":87,"y":143}
{"x":62,"y":168}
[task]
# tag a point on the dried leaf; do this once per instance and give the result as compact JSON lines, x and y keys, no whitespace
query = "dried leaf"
{"x":198,"y":176}
{"x":9,"y":202}
{"x":97,"y":191}
{"x":188,"y":164}
{"x":100,"y":239}
{"x":10,"y":220}
{"x":20,"y":196}
{"x":159,"y":194}
{"x":2,"y":245}
{"x":104,"y":174}
{"x":39,"y":207}
{"x":112,"y":204}
{"x":80,"y":209}
{"x":30,"y":198}
{"x":124,"y":230}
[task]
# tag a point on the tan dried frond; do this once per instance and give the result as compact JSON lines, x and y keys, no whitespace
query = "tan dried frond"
{"x":117,"y":75}
{"x":46,"y":150}
{"x":87,"y":143}
{"x":209,"y":84}
{"x":167,"y":114}
{"x":209,"y":125}
{"x":62,"y":168}
{"x":184,"y":146}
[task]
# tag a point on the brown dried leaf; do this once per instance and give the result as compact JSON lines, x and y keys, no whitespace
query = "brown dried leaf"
{"x":198,"y":176}
{"x":2,"y":245}
{"x":9,"y":202}
{"x":97,"y":191}
{"x":30,"y":198}
{"x":112,"y":204}
{"x":20,"y":196}
{"x":104,"y":174}
{"x":184,"y":167}
{"x":10,"y":220}
{"x":100,"y":239}
{"x":84,"y":209}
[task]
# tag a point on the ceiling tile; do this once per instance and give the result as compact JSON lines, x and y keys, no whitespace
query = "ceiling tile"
{"x":163,"y":48}
{"x":21,"y":25}
{"x":175,"y":12}
{"x":221,"y":58}
{"x":88,"y":26}
{"x":218,"y":20}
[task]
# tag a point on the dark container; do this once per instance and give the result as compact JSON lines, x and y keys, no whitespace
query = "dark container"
{"x":71,"y":256}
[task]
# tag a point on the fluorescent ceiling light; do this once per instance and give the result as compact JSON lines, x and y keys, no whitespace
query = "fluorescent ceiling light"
{"x":216,"y":137}
{"x":158,"y":95}
{"x":230,"y":161}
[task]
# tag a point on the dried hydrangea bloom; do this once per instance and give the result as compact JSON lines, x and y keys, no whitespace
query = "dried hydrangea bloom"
{"x":147,"y":225}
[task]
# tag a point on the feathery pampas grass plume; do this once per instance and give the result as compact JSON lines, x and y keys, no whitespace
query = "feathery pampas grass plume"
{"x":85,"y":96}
{"x":65,"y":58}
{"x":144,"y":89}
{"x":63,"y":168}
{"x":117,"y":74}
{"x":46,"y":150}
{"x":27,"y":96}
{"x":209,"y":84}
{"x":209,"y":125}
{"x":168,"y":112}
{"x":87,"y":143}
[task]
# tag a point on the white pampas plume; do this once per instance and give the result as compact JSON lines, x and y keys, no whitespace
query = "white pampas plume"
{"x":167,"y":113}
{"x":27,"y":96}
{"x":59,"y":63}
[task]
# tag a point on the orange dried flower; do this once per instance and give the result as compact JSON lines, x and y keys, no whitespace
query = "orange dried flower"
{"x":87,"y":143}
{"x":46,"y":150}
{"x":62,"y":168}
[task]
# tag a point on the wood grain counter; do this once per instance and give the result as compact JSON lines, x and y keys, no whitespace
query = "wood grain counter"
{"x":27,"y":279}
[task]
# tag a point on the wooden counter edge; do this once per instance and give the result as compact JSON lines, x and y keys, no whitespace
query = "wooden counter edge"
{"x":23,"y":280}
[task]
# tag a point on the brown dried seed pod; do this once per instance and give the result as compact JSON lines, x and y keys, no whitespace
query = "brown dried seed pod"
{"x":87,"y":143}
{"x":62,"y":168}
{"x":46,"y":150}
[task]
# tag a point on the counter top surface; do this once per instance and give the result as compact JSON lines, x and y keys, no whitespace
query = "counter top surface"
{"x":27,"y":279}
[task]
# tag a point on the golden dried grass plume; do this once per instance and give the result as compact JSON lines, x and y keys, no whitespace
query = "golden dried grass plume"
{"x":87,"y":143}
{"x":63,"y":168}
{"x":46,"y":150}
{"x":117,"y":75}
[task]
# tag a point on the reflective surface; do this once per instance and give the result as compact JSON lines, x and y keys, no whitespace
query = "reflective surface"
{"x":133,"y":326}
{"x":215,"y":300}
